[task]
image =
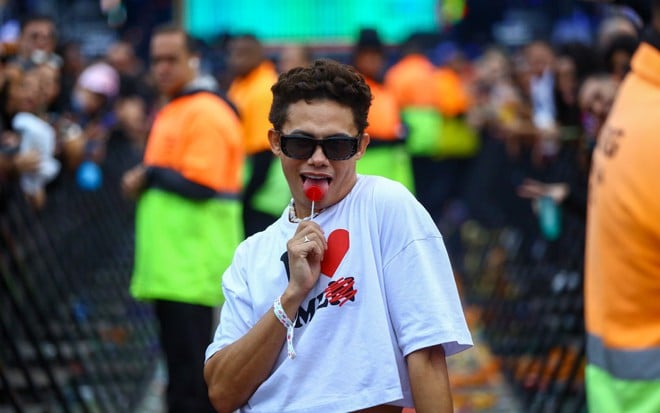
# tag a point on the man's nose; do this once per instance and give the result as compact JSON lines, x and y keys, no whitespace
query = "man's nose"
{"x":318,"y":156}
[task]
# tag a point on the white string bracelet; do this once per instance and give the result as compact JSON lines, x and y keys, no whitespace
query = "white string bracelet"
{"x":284,"y":319}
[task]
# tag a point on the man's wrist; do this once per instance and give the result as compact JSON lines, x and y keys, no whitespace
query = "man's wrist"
{"x":291,"y":300}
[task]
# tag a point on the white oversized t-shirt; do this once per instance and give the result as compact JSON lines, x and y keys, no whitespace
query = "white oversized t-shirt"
{"x":386,"y":289}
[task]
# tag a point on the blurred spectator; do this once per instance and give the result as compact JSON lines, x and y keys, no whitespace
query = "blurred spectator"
{"x":566,"y":86}
{"x":527,"y":123}
{"x":36,"y":43}
{"x":493,"y":92}
{"x":50,"y":87}
{"x":565,"y":91}
{"x":266,"y":193}
{"x":457,"y":145}
{"x":409,"y":79}
{"x":502,"y":112}
{"x":617,"y":54}
{"x":293,"y":55}
{"x":97,"y":85}
{"x":121,"y":56}
{"x":93,"y":97}
{"x":135,"y":96}
{"x":595,"y":99}
{"x":614,"y":26}
{"x":188,"y":219}
{"x":133,"y":81}
{"x":73,"y":64}
{"x":457,"y":139}
{"x":432,"y":99}
{"x":585,"y":57}
{"x":386,"y":155}
{"x":132,"y":122}
{"x":12,"y":163}
{"x":450,"y":55}
{"x":70,"y":140}
{"x":34,"y":136}
{"x":540,"y":58}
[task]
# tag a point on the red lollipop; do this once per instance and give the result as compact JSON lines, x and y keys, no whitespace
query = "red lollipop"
{"x":314,"y":191}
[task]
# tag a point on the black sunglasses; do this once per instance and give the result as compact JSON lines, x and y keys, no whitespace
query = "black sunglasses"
{"x":335,"y":148}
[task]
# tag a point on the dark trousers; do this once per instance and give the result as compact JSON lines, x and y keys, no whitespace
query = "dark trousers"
{"x":437,"y":182}
{"x":185,"y":332}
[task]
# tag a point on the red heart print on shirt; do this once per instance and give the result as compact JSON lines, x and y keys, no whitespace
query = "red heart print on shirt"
{"x":338,"y":244}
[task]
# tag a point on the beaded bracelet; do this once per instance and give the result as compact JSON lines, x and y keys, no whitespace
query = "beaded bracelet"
{"x":284,"y":319}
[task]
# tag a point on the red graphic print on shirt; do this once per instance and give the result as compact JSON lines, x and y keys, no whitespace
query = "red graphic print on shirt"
{"x":338,"y":291}
{"x":338,"y":244}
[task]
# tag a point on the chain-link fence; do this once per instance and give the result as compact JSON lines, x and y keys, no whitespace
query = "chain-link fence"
{"x":73,"y":340}
{"x":530,"y":288}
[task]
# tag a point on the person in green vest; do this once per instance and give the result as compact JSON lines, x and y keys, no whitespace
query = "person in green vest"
{"x":188,"y":219}
{"x":387,"y":155}
{"x":266,"y":194}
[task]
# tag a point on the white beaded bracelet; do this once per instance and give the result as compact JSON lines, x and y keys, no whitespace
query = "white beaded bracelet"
{"x":284,"y":319}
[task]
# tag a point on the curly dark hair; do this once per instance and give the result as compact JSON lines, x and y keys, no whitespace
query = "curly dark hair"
{"x":324,"y":79}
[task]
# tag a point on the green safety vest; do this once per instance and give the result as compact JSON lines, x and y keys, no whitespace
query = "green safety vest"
{"x":183,"y":246}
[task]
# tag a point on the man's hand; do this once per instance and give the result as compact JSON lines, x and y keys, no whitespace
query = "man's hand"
{"x":534,"y":189}
{"x":134,"y":181}
{"x":305,"y":250}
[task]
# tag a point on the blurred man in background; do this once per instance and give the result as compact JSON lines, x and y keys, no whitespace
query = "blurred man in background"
{"x":188,"y":220}
{"x":36,"y":43}
{"x":266,"y":194}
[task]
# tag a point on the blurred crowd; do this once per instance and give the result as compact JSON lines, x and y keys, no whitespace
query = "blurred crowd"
{"x":60,"y":108}
{"x":518,"y":106}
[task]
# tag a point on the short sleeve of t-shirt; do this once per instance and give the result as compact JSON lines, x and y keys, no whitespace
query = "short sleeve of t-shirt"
{"x":423,"y":300}
{"x":419,"y":284}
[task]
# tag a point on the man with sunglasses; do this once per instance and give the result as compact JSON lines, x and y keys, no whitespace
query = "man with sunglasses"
{"x":347,"y":303}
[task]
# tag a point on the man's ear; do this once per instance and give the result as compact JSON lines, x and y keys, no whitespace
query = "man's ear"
{"x":362,"y":146}
{"x":274,"y":140}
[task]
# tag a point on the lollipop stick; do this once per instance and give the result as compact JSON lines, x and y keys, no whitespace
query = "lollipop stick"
{"x":313,"y":193}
